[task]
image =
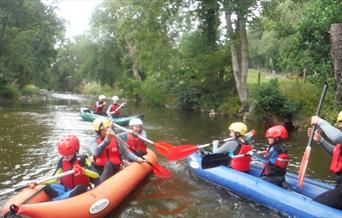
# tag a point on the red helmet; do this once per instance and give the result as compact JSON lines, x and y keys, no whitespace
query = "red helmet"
{"x":68,"y":145}
{"x":277,"y":131}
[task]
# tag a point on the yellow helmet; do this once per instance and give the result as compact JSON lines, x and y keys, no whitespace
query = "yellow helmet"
{"x":100,"y":123}
{"x":339,"y":117}
{"x":238,"y":127}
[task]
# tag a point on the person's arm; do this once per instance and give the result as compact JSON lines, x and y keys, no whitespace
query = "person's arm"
{"x":108,"y":109}
{"x":229,"y":146}
{"x":126,"y":154}
{"x":123,"y":136}
{"x":334,"y":134}
{"x":97,"y":149}
{"x":326,"y":146}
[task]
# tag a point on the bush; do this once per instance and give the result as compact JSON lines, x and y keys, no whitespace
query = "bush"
{"x":9,"y":92}
{"x":270,"y":102}
{"x":30,"y":90}
{"x":96,"y":89}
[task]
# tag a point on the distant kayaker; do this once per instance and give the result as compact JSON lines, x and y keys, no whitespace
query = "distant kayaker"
{"x":333,"y":197}
{"x":135,"y":144}
{"x":108,"y":153}
{"x":275,"y":157}
{"x":114,"y":109}
{"x":236,"y":146}
{"x":99,"y":105}
{"x":77,"y":183}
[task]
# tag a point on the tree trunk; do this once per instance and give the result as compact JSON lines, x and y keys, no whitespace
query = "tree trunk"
{"x":132,"y":53}
{"x":239,"y":52}
{"x":336,"y":53}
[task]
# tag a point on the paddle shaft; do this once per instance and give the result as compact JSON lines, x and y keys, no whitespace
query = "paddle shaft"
{"x":39,"y":181}
{"x":317,"y":114}
{"x":127,"y":130}
{"x":208,"y":144}
{"x":306,"y":156}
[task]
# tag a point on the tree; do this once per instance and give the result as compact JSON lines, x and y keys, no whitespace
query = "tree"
{"x":29,"y":30}
{"x":237,"y":36}
{"x":336,"y":53}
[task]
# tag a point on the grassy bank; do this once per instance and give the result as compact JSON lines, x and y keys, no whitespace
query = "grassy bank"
{"x":299,"y":91}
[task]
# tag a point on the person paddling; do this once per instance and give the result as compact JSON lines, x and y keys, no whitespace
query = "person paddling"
{"x":333,"y":197}
{"x":99,"y":105}
{"x":108,"y":153}
{"x":135,"y":144}
{"x":236,"y":146}
{"x":275,"y":157}
{"x":77,"y":183}
{"x":114,"y":109}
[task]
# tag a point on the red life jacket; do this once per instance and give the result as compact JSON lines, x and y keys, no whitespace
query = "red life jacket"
{"x":336,"y":161}
{"x":136,"y":145}
{"x":113,"y":107}
{"x":71,"y":181}
{"x":98,"y":109}
{"x":242,"y":163}
{"x":110,"y":153}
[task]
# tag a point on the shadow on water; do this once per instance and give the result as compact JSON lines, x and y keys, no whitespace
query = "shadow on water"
{"x":29,"y":133}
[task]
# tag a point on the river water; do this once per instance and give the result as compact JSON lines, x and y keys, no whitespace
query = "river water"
{"x":29,"y":132}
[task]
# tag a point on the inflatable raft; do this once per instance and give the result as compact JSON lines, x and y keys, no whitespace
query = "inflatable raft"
{"x":293,"y":202}
{"x":97,"y":202}
{"x":88,"y":115}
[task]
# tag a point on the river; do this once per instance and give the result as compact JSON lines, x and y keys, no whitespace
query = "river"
{"x":29,"y":132}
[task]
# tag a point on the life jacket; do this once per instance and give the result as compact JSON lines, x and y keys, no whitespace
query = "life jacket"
{"x":110,"y":153}
{"x":136,"y":145}
{"x":113,"y":107}
{"x":279,"y":167}
{"x":336,"y":161}
{"x":242,"y":163}
{"x":98,"y":109}
{"x":71,"y":181}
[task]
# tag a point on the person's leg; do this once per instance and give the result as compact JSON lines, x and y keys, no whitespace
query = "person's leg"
{"x":108,"y":171}
{"x":55,"y":190}
{"x":331,"y":198}
{"x":277,"y":180}
{"x":79,"y":189}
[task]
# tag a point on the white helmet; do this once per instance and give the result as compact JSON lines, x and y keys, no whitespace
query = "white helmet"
{"x":115,"y":98}
{"x":135,"y":122}
{"x":102,"y":97}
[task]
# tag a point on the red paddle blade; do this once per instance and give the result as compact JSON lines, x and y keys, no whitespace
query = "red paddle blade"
{"x":303,"y":166}
{"x":161,"y":171}
{"x":181,"y":151}
{"x":163,"y":147}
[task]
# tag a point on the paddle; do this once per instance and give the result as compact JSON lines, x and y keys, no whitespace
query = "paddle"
{"x":118,"y":108}
{"x":157,"y":169}
{"x":160,"y":171}
{"x":217,"y":159}
{"x":306,"y":156}
{"x":182,"y":151}
{"x":38,"y":182}
{"x":162,"y":147}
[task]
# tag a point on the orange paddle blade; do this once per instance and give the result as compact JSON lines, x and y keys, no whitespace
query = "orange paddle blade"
{"x":161,"y":171}
{"x":181,"y":151}
{"x":303,"y":166}
{"x":163,"y":147}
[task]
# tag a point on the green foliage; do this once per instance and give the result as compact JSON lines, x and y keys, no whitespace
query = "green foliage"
{"x":9,"y":91}
{"x":30,"y":90}
{"x":96,"y":89}
{"x":153,"y":92}
{"x":29,"y":30}
{"x":231,"y":105}
{"x":270,"y":102}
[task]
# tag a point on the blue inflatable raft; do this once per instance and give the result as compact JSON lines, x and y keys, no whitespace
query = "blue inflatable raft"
{"x":292,"y":202}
